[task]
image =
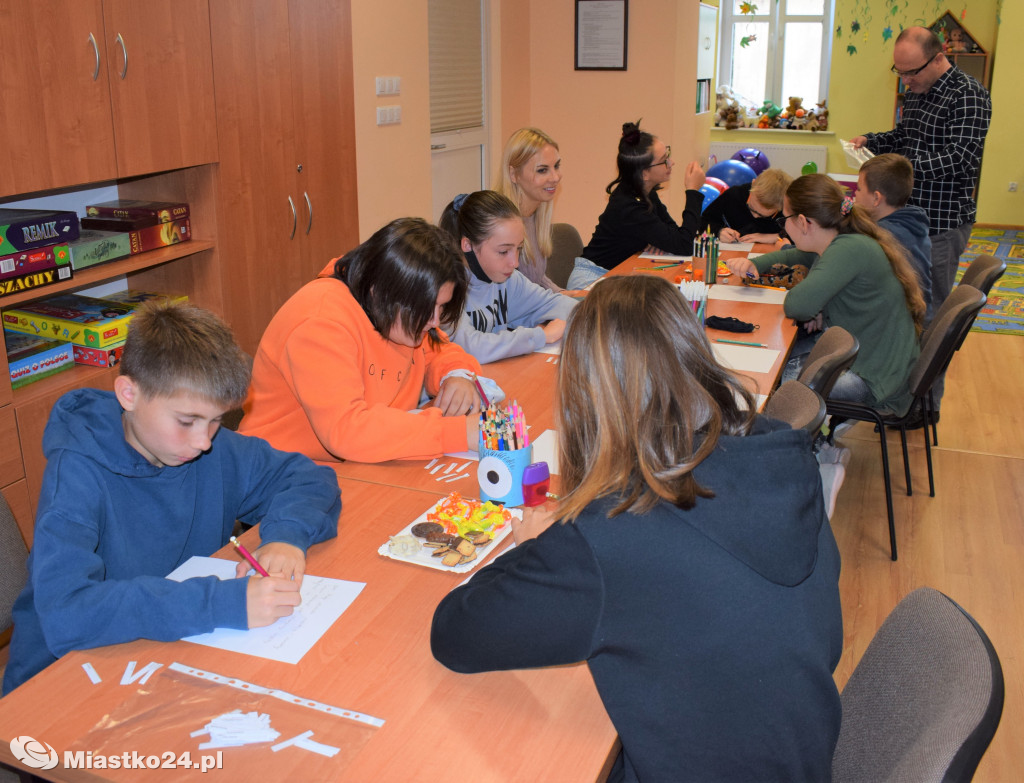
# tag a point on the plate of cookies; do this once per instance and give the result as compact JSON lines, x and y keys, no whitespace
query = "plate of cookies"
{"x":455,"y":534}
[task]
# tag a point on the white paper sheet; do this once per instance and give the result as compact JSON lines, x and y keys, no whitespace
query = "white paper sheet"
{"x":665,"y":256}
{"x":554,"y":348}
{"x":745,"y":293}
{"x":287,"y":640}
{"x":545,"y":449}
{"x":742,"y":247}
{"x":744,"y":358}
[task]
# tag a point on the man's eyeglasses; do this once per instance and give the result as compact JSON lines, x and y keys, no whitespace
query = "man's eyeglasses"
{"x":915,"y":72}
{"x":668,"y":154}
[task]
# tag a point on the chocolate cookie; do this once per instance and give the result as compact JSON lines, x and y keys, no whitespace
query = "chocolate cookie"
{"x":422,"y":529}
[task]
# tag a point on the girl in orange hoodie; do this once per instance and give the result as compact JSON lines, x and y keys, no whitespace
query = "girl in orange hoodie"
{"x":347,"y":360}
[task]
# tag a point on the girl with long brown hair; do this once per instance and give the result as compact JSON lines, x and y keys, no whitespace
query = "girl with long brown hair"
{"x":859,"y":279}
{"x":689,"y":562}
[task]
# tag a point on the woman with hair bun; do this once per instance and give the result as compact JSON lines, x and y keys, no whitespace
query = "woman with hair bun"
{"x":859,"y":279}
{"x":531,"y":168}
{"x":635,"y":218}
{"x":705,"y":604}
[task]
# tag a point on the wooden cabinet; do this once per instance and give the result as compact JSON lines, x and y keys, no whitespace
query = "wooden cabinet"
{"x":283,"y":72}
{"x":95,"y":90}
{"x":283,"y":112}
{"x":55,"y":126}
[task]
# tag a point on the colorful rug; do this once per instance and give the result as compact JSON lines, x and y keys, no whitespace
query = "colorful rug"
{"x":1004,"y":311}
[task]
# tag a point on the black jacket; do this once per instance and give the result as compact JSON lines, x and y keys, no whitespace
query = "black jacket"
{"x":712,"y":634}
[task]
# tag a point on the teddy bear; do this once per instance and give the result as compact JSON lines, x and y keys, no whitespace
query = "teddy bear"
{"x":796,"y":114}
{"x":820,"y":122}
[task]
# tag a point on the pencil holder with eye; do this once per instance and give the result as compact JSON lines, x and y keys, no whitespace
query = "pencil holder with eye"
{"x":500,"y":473}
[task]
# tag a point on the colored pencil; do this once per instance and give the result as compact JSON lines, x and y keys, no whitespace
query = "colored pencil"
{"x":479,"y":388}
{"x":740,"y":342}
{"x":245,"y":553}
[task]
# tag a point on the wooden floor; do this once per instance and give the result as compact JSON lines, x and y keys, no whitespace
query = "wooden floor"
{"x":967,"y":541}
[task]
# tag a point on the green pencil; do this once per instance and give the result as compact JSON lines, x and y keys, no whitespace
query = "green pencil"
{"x":738,"y":342}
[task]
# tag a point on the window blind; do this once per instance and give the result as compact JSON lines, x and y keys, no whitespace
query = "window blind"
{"x":456,"y":65}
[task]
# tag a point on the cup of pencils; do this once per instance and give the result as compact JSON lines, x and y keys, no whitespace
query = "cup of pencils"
{"x":505,"y":452}
{"x":695,"y":293}
{"x":706,"y":246}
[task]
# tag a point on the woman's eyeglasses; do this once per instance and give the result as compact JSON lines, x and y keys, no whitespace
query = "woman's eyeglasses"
{"x":781,"y":220}
{"x":668,"y":154}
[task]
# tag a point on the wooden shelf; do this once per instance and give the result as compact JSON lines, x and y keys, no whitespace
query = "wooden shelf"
{"x":100,"y":273}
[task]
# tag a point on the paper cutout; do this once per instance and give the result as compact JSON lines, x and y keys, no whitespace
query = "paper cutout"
{"x":141,"y":676}
{"x":237,"y":728}
{"x":242,"y":685}
{"x":304,"y":741}
{"x":91,"y":672}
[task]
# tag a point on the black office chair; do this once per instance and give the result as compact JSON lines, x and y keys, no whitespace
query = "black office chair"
{"x":983,"y":273}
{"x":13,"y":566}
{"x":925,"y":700}
{"x":566,"y":246}
{"x":939,"y":343}
{"x":799,"y":406}
{"x":833,"y":354}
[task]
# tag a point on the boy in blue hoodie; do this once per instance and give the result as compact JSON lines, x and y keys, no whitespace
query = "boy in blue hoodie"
{"x":884,"y":185}
{"x":139,"y":480}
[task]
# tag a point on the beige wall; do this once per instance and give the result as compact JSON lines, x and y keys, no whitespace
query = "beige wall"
{"x":532,"y":82}
{"x":389,"y":38}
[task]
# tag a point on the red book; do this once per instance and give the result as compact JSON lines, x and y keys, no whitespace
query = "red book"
{"x":126,"y":208}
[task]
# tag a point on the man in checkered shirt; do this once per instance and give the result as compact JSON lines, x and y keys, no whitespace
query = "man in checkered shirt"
{"x":942,"y":131}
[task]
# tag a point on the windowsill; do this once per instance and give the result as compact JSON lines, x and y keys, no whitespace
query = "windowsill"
{"x":782,"y":131}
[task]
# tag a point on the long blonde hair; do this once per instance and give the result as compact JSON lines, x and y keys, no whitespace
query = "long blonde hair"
{"x":641,"y":399}
{"x":817,"y":196}
{"x":520,"y":147}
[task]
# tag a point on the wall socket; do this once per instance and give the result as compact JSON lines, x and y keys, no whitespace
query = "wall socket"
{"x":389,"y":115}
{"x":389,"y":85}
{"x":1013,"y":187}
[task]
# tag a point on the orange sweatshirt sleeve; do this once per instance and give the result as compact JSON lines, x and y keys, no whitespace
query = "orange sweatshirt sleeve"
{"x":327,"y":362}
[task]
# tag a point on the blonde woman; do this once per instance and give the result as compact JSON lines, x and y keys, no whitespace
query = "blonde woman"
{"x":531,"y":168}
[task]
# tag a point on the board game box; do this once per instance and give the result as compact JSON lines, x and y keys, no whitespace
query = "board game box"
{"x":34,"y":358}
{"x":33,"y":280}
{"x":96,"y":247}
{"x":98,"y":357}
{"x":135,"y":298}
{"x":160,"y":211}
{"x":118,"y":224}
{"x":26,"y":229}
{"x":160,"y":235}
{"x":82,"y":320}
{"x":37,"y":260}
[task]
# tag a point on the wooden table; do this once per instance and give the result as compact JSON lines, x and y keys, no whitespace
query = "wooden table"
{"x":541,"y":724}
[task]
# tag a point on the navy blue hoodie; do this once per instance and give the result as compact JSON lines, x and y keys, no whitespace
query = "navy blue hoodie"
{"x":110,"y":526}
{"x":910,"y":227}
{"x":712,"y":634}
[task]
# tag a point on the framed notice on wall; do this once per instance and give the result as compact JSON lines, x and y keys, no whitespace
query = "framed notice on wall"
{"x":601,"y":35}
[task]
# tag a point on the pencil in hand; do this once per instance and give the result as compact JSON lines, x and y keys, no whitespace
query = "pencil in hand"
{"x":245,"y":553}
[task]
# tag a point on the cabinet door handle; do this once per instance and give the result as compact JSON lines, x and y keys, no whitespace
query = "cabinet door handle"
{"x":96,"y":52}
{"x":295,"y":217}
{"x":438,"y":146}
{"x":309,"y":206}
{"x":124,"y":53}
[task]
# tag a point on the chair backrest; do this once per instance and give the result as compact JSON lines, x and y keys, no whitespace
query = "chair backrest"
{"x":798,"y":405}
{"x":944,"y":335}
{"x":983,"y":273}
{"x":566,"y":245}
{"x":925,"y":700}
{"x":13,"y":563}
{"x":832,"y":355}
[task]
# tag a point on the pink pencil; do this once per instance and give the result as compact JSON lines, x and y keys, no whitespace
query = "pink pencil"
{"x":252,"y":560}
{"x":479,"y":388}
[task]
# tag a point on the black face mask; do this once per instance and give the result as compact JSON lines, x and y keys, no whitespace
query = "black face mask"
{"x":475,"y":268}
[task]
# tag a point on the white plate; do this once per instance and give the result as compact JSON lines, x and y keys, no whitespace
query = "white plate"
{"x":425,"y":556}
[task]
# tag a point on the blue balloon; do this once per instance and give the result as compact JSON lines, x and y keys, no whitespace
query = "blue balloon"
{"x":710,"y":194}
{"x":754,"y":158}
{"x":732,"y":172}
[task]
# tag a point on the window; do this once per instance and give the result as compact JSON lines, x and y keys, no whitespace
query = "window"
{"x":778,"y":49}
{"x":456,"y":65}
